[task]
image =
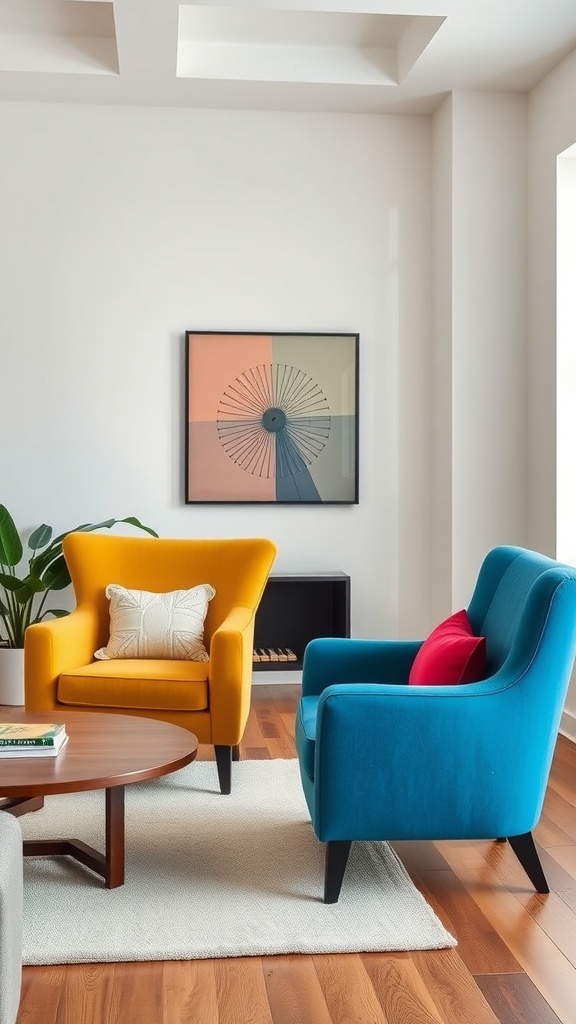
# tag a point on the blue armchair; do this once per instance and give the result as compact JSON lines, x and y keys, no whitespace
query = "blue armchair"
{"x":384,"y":760}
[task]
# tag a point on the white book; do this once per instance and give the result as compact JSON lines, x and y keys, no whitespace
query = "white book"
{"x":33,"y":734}
{"x":32,"y":752}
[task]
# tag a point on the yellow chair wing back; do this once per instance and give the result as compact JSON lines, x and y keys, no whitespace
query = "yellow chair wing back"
{"x":236,"y":567}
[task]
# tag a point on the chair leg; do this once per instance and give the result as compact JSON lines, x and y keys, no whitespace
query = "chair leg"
{"x":224,"y":766}
{"x":525,"y":850}
{"x":337,"y":851}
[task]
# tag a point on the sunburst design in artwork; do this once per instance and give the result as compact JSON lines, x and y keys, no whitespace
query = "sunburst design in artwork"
{"x":273,"y":420}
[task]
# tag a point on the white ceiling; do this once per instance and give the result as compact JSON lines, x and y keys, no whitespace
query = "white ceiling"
{"x":369,"y":56}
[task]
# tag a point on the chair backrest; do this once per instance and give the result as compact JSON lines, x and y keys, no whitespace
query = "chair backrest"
{"x":522,"y":598}
{"x":237,"y":568}
{"x":524,"y":603}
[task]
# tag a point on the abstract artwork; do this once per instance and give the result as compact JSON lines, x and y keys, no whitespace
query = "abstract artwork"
{"x":271,"y":417}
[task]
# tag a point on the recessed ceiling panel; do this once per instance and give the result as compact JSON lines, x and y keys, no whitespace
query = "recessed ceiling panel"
{"x":332,"y":47}
{"x":61,"y":36}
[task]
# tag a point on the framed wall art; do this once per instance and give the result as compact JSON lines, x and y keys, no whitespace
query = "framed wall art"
{"x":271,"y":417}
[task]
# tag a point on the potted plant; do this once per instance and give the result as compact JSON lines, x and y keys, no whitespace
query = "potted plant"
{"x":28,"y":576}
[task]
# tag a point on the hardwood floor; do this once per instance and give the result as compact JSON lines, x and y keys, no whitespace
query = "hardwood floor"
{"x":515,"y":961}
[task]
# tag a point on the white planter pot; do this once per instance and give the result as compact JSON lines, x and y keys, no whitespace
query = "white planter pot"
{"x":12,"y":676}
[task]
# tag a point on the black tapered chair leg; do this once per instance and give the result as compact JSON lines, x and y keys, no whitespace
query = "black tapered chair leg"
{"x":525,"y":849}
{"x":224,"y":766}
{"x":337,"y":851}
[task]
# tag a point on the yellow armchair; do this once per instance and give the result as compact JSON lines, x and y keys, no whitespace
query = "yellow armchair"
{"x":211,"y":698}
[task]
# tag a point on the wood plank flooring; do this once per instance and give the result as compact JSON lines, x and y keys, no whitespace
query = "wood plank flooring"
{"x":515,"y":962}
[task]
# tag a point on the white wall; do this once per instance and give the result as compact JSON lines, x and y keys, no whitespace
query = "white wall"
{"x":566,"y":358}
{"x":489,"y":329}
{"x":122,"y":228}
{"x":478,"y":374}
{"x":566,"y":382}
{"x":552,"y":131}
{"x":441,"y":603}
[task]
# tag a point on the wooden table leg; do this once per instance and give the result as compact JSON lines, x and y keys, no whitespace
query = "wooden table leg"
{"x":115,"y":837}
{"x":16,"y":806}
{"x":109,"y":865}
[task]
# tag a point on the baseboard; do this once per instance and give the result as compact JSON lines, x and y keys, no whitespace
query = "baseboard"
{"x":568,"y":725}
{"x":277,"y":676}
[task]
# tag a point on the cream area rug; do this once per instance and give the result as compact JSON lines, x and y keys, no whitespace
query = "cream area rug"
{"x":213,"y":876}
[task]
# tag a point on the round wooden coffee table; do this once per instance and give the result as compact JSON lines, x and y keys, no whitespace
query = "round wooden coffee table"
{"x":104,"y":751}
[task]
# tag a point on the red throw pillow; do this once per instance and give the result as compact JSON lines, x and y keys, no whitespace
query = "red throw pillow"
{"x":450,"y":655}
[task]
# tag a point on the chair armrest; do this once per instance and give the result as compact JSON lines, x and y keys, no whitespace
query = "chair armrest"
{"x":342,"y":660}
{"x":395,"y":716}
{"x":53,"y":647}
{"x":403,"y":762}
{"x":231,"y":649}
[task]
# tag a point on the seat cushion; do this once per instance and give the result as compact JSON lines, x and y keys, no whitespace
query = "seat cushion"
{"x":306,"y":733}
{"x":450,"y":655}
{"x":137,"y":683}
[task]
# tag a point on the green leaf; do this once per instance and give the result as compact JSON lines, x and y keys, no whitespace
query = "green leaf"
{"x":108,"y":523}
{"x":86,"y":528}
{"x":10,"y":582}
{"x":136,"y":522}
{"x":30,"y":586}
{"x":47,"y":571}
{"x":40,"y":537}
{"x":56,"y":575}
{"x":11,"y":550}
{"x":40,"y":562}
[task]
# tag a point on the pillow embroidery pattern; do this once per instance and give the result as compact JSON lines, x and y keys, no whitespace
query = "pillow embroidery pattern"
{"x":147,"y":625}
{"x":450,"y":655}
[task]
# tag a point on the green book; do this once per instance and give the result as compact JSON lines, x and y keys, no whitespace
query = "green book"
{"x":20,"y":735}
{"x":29,"y":751}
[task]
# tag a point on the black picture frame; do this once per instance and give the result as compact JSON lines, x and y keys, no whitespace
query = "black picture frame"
{"x":271,"y":417}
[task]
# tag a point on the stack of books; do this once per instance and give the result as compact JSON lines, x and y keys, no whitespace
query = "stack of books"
{"x":17,"y":740}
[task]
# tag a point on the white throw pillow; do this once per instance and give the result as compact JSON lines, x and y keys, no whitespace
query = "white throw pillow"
{"x":146,"y":625}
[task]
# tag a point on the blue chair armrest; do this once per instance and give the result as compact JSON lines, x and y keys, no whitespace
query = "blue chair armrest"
{"x":330,"y":660}
{"x":401,"y":762}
